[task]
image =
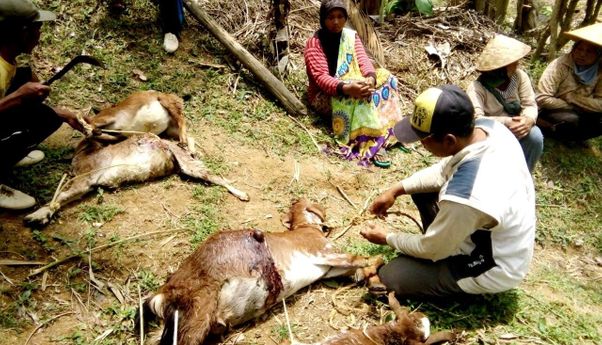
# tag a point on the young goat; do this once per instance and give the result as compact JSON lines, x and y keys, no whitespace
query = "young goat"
{"x":235,"y":276}
{"x":407,"y":329}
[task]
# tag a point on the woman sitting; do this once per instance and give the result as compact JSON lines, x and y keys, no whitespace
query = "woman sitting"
{"x":362,"y":102}
{"x":504,"y":92}
{"x":569,"y":92}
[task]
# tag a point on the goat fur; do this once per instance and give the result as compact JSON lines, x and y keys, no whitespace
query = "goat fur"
{"x":235,"y":276}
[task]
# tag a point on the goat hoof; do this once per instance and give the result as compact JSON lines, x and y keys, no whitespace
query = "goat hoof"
{"x":39,"y":218}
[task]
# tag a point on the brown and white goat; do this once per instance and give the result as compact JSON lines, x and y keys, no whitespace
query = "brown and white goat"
{"x":144,"y":111}
{"x":104,"y":161}
{"x":235,"y":276}
{"x":407,"y":329}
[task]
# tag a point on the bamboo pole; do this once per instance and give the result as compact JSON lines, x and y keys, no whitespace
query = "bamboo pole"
{"x":291,"y":103}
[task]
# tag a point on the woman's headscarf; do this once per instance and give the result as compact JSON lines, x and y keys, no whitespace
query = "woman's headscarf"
{"x":330,"y":40}
{"x":586,"y":75}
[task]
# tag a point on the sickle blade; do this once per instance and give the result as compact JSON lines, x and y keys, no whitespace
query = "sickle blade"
{"x":75,"y":61}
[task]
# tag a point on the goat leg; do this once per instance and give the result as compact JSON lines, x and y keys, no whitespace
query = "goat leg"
{"x":43,"y":215}
{"x":194,"y":168}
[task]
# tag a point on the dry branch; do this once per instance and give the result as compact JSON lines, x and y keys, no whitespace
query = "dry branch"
{"x":273,"y":84}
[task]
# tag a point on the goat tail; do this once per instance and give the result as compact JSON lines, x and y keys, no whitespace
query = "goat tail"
{"x":194,"y":315}
{"x":175,"y":107}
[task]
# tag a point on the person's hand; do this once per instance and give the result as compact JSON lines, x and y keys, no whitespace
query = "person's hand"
{"x":358,"y":89}
{"x":71,"y":119}
{"x":520,"y":126}
{"x":375,"y":233}
{"x":381,"y":204}
{"x":33,"y":91}
{"x":371,"y":82}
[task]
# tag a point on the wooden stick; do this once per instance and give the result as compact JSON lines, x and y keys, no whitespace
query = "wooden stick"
{"x":366,"y":204}
{"x":291,"y":103}
{"x":288,"y":322}
{"x":46,"y":322}
{"x":104,"y":246}
{"x":58,"y":188}
{"x":175,"y":328}
{"x":342,"y":192}
{"x":141,"y":316}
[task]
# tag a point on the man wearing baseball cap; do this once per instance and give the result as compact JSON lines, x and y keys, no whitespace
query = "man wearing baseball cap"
{"x":477,"y":204}
{"x":25,"y":120}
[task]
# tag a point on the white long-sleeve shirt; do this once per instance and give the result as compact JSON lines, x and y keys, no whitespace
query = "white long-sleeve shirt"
{"x":486,"y":213}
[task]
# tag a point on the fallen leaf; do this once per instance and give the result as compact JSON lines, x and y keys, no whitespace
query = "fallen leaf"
{"x":138,"y":73}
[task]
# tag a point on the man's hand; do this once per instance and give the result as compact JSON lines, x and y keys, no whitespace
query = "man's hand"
{"x":375,"y":233}
{"x":520,"y":126}
{"x":381,"y":204}
{"x":33,"y":91}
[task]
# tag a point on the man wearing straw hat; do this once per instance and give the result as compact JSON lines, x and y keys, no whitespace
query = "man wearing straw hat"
{"x":26,"y":120}
{"x":504,"y":92}
{"x":477,"y":205}
{"x":569,"y":92}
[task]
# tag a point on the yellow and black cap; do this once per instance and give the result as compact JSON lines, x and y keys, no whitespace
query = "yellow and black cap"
{"x":437,"y":111}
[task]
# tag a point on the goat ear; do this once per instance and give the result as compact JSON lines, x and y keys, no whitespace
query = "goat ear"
{"x":287,"y":221}
{"x":317,"y":210}
{"x":396,"y":307}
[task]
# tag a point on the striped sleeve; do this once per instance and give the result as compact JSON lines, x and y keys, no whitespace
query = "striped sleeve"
{"x":317,"y":67}
{"x":363,"y":60}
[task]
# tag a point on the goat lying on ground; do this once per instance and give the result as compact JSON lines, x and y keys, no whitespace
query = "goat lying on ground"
{"x":407,"y":329}
{"x":235,"y":276}
{"x":145,"y":111}
{"x":138,"y":158}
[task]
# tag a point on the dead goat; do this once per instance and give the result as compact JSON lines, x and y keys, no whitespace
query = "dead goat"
{"x":407,"y":329}
{"x":144,"y":111}
{"x":235,"y":276}
{"x":103,"y":160}
{"x":136,"y":159}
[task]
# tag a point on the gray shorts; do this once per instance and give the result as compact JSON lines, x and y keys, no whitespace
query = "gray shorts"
{"x":412,"y":277}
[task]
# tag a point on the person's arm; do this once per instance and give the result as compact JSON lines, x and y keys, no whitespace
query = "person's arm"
{"x":521,"y":125}
{"x":317,"y":68}
{"x":477,"y":93}
{"x":452,"y":225}
{"x":426,"y":180}
{"x":592,"y":103}
{"x":363,"y":60}
{"x":548,"y":85}
{"x":28,"y":92}
{"x":527,"y":96}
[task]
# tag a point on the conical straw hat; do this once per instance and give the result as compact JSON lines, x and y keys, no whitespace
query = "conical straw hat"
{"x":591,"y":33}
{"x":501,"y":51}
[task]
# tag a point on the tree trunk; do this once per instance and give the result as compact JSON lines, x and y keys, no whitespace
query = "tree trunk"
{"x":501,"y":7}
{"x":554,"y":19}
{"x":280,"y":11}
{"x":526,"y":15}
{"x":273,"y":84}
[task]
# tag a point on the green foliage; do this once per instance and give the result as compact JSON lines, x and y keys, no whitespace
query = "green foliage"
{"x":365,"y":248}
{"x":41,"y":180}
{"x":99,"y":213}
{"x":280,"y":332}
{"x":147,"y":280}
{"x":424,"y":7}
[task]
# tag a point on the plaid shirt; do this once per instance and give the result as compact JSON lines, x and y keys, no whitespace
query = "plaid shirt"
{"x":317,"y":67}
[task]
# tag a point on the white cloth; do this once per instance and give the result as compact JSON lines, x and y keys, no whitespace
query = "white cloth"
{"x":483,"y":189}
